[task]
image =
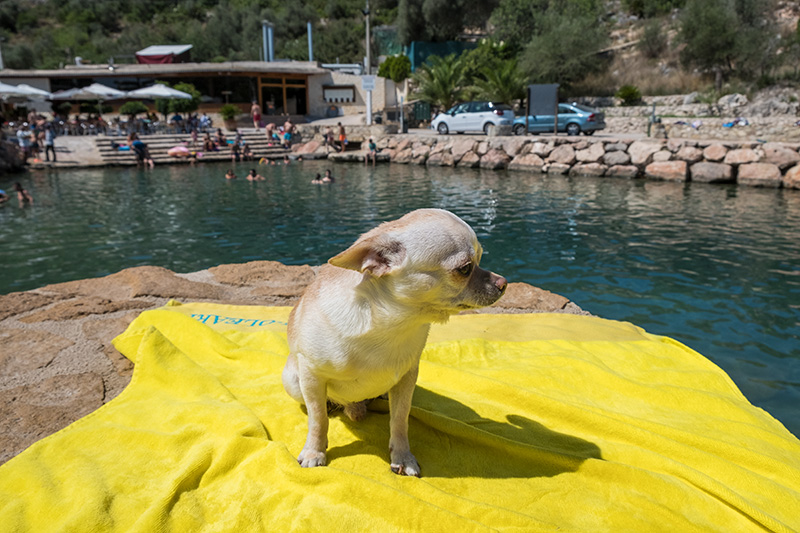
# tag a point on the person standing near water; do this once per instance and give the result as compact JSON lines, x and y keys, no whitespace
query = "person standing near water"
{"x":342,"y":137}
{"x":255,"y":112}
{"x":49,"y":142}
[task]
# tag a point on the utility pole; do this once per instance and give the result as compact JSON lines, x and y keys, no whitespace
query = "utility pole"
{"x":369,"y":59}
{"x":368,"y":121}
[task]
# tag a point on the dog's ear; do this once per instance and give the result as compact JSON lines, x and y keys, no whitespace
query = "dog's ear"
{"x":377,"y":255}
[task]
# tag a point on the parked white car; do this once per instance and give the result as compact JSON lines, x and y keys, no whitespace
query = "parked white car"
{"x":473,"y":116}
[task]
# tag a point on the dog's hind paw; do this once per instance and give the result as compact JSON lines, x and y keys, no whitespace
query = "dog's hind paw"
{"x":310,"y":459}
{"x":356,"y":411}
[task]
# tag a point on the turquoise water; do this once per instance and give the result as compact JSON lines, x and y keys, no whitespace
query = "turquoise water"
{"x":715,"y":267}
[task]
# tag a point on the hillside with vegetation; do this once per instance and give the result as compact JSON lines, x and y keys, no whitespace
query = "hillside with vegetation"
{"x":590,"y":47}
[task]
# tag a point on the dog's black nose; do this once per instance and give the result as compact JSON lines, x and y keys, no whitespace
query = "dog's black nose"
{"x":501,"y":283}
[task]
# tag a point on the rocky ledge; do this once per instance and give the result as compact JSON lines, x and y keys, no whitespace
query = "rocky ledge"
{"x":58,"y":364}
{"x":755,"y":164}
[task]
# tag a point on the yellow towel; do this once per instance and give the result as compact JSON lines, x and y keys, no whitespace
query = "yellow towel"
{"x":520,"y":422}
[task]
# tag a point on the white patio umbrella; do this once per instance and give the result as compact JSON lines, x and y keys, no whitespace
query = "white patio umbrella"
{"x":95,"y":91}
{"x":34,"y":93}
{"x":158,"y":91}
{"x":11,"y":91}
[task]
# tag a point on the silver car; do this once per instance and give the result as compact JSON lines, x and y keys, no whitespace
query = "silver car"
{"x":473,"y":116}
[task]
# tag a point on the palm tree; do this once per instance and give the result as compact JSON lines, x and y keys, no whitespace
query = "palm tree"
{"x":503,"y":83}
{"x":440,"y":81}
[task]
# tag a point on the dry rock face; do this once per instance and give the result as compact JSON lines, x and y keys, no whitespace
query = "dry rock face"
{"x":58,"y":364}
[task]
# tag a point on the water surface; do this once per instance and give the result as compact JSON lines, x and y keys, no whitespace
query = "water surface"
{"x":715,"y":267}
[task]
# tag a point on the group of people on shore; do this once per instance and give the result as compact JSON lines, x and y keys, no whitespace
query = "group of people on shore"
{"x":34,"y":136}
{"x":23,"y":196}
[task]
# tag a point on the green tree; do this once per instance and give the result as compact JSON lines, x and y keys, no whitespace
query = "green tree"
{"x":487,"y":55}
{"x":566,"y":50}
{"x":502,"y":83}
{"x":440,"y":20}
{"x":440,"y":82}
{"x":516,"y":21}
{"x":708,"y":30}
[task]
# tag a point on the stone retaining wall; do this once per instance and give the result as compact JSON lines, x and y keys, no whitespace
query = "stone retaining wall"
{"x":756,"y":164}
{"x":778,"y":128}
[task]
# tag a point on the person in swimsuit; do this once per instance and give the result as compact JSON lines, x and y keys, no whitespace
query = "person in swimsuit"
{"x":255,"y":112}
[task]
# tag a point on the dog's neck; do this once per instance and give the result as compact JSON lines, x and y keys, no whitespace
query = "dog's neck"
{"x":383,"y":308}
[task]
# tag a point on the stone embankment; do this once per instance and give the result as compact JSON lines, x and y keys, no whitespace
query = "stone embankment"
{"x":57,"y":362}
{"x":746,"y":163}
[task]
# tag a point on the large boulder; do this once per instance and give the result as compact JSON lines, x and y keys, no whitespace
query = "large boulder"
{"x":587,"y":169}
{"x":690,"y":154}
{"x":780,"y":155}
{"x":441,"y":159}
{"x":541,"y":149}
{"x":641,"y":152}
{"x":470,"y":159}
{"x":711,"y":172}
{"x":528,"y":161}
{"x":759,"y":175}
{"x":495,"y":159}
{"x":667,"y":170}
{"x":791,"y":180}
{"x":461,"y":147}
{"x":564,"y":155}
{"x":592,"y":154}
{"x":742,"y":156}
{"x":616,"y":157}
{"x":715,"y":152}
{"x":557,"y":168}
{"x":622,"y":171}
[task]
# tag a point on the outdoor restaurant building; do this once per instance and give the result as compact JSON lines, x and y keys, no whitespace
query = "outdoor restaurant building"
{"x":295,"y":88}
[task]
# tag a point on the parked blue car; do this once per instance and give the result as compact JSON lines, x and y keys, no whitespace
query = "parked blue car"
{"x":572,"y":119}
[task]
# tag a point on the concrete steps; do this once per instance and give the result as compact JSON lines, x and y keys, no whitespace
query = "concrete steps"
{"x":158,"y":145}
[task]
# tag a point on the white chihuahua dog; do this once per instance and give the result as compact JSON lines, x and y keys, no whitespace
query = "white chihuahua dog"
{"x":359,"y":329}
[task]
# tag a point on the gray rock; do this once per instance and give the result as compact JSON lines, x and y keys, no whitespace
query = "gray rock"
{"x":711,"y":172}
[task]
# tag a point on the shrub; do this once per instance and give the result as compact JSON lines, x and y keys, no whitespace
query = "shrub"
{"x":629,"y":94}
{"x":229,"y":111}
{"x":133,"y":108}
{"x":396,"y":68}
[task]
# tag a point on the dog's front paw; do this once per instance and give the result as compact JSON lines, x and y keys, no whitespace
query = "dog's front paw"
{"x":405,"y":465}
{"x":311,"y":458}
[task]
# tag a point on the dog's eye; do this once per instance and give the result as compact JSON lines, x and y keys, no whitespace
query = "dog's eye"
{"x":466,"y":270}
